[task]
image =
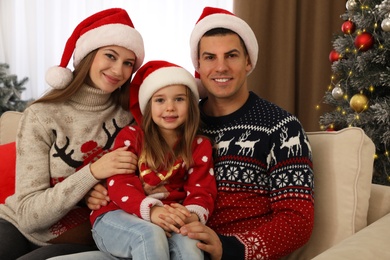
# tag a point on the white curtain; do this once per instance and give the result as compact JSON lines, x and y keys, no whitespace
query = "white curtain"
{"x":33,"y":33}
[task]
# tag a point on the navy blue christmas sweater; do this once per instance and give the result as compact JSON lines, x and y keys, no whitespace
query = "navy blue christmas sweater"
{"x":263,"y":166}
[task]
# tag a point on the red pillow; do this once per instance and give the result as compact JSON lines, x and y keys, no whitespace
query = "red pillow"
{"x":7,"y":170}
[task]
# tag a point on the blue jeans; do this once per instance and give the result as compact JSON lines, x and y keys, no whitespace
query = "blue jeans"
{"x":123,"y":235}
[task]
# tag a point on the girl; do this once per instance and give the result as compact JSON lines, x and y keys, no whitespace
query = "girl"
{"x":175,"y":184}
{"x":65,"y":138}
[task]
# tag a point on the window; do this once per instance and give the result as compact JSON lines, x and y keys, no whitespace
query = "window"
{"x":33,"y":33}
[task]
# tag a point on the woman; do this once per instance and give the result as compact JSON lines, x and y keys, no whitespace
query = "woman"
{"x":65,"y":138}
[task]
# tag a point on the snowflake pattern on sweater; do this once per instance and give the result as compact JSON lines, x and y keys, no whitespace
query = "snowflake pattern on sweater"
{"x":264,"y":177}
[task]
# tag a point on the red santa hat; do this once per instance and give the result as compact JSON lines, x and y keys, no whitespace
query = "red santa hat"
{"x":109,"y":27}
{"x":153,"y":76}
{"x":212,"y":18}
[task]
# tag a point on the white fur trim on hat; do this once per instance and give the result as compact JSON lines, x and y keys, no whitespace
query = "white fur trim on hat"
{"x":58,"y":77}
{"x":232,"y":22}
{"x":110,"y":34}
{"x":163,"y":77}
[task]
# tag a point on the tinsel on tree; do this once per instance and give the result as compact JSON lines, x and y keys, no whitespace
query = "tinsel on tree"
{"x":11,"y":91}
{"x":360,"y":85}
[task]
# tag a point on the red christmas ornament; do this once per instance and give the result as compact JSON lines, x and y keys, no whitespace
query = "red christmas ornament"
{"x":334,"y":56}
{"x":348,"y":27}
{"x":364,"y":41}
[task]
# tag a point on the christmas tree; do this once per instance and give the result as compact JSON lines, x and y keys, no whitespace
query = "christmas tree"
{"x":360,"y":82}
{"x":10,"y":91}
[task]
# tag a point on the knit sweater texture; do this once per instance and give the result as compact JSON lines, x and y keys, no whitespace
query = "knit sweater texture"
{"x":195,"y":188}
{"x":55,"y":144}
{"x":263,"y":167}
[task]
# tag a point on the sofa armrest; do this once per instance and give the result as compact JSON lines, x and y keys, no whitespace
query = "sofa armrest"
{"x":9,"y":122}
{"x":379,"y":203}
{"x":372,"y":242}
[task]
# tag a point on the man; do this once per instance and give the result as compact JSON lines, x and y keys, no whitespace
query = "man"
{"x":264,"y":207}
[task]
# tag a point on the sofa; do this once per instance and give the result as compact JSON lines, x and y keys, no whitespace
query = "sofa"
{"x":352,"y":215}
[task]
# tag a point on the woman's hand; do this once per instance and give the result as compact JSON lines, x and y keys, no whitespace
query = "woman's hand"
{"x":97,"y":197}
{"x":119,"y":161}
{"x":209,"y":240}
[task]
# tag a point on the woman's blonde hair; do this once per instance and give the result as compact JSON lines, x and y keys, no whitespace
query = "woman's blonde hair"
{"x":156,"y":152}
{"x":80,"y":77}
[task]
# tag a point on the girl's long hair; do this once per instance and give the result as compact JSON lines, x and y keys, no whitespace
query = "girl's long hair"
{"x":80,"y":77}
{"x":156,"y":152}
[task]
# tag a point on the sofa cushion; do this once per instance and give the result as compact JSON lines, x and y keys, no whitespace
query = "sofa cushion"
{"x":372,"y":242}
{"x":343,"y":166}
{"x":7,"y":170}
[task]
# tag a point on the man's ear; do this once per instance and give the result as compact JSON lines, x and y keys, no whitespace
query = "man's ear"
{"x":248,"y":64}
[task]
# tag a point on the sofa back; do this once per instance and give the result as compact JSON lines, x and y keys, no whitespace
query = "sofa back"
{"x":343,"y":166}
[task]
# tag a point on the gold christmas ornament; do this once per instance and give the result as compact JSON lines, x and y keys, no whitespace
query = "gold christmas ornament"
{"x":359,"y":103}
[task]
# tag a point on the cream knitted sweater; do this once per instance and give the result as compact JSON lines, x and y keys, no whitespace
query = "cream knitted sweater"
{"x":55,"y":144}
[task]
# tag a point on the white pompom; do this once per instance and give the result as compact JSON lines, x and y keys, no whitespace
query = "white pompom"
{"x":59,"y":77}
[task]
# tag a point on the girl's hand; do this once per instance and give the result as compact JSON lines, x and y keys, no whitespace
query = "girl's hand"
{"x":163,"y":218}
{"x":179,"y":214}
{"x":119,"y":161}
{"x":209,"y":240}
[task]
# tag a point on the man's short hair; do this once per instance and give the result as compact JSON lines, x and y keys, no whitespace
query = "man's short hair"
{"x":222,"y":31}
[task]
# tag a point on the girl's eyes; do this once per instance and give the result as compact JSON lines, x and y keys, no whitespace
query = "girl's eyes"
{"x":159,"y":100}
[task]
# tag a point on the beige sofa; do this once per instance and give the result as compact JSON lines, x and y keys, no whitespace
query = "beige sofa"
{"x":352,"y":216}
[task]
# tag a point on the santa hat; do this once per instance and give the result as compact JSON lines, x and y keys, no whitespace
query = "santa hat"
{"x":212,"y":18}
{"x":153,"y":76}
{"x":109,"y":27}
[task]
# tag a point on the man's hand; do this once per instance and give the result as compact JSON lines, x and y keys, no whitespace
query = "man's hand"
{"x":209,"y":240}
